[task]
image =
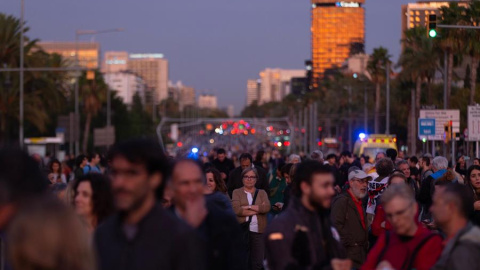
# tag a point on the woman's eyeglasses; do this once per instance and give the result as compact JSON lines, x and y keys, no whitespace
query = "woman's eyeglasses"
{"x":250,"y":177}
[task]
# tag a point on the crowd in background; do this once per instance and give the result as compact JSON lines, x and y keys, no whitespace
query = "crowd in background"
{"x":137,"y":208}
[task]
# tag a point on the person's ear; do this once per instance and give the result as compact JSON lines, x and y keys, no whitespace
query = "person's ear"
{"x":306,"y":188}
{"x":156,"y":180}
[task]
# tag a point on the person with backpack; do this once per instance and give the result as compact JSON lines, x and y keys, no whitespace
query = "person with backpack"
{"x":409,"y":245}
{"x":93,"y":164}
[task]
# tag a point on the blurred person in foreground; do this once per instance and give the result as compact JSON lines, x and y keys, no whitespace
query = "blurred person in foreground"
{"x":21,"y":180}
{"x":350,"y":218}
{"x":216,"y":226}
{"x":303,"y":237}
{"x":251,"y":206}
{"x":93,"y":199}
{"x":451,"y":208}
{"x":143,"y":235}
{"x":409,"y":245}
{"x":48,"y":235}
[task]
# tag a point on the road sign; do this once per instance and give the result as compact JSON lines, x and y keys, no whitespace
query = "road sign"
{"x":104,"y":136}
{"x":426,"y":127}
{"x":442,"y":117}
{"x":474,"y":123}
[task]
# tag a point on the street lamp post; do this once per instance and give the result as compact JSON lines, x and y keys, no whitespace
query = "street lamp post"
{"x":79,"y":33}
{"x":21,"y":117}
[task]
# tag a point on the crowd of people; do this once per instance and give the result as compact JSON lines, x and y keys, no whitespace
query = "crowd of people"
{"x":137,"y":208}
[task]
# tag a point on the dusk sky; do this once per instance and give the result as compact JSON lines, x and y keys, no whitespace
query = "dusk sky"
{"x":212,"y":45}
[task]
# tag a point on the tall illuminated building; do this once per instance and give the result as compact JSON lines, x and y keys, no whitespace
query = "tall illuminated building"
{"x":336,"y":27}
{"x":88,"y":52}
{"x":153,"y":68}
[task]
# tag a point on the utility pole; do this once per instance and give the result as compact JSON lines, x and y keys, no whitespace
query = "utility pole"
{"x":350,"y":148}
{"x":387,"y":131}
{"x":22,"y":52}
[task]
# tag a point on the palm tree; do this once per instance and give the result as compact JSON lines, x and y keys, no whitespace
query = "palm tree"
{"x":418,"y":62}
{"x":44,"y":91}
{"x":377,"y":68}
{"x":451,"y":40}
{"x":92,"y":94}
{"x":473,"y":45}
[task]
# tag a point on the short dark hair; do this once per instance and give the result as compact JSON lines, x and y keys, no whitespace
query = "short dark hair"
{"x":146,"y":152}
{"x":79,"y":159}
{"x":346,"y":154}
{"x":392,"y":154}
{"x":192,"y":161}
{"x":414,"y":159}
{"x":20,"y":176}
{"x":286,"y":168}
{"x":426,"y":160}
{"x":461,"y":197}
{"x":93,"y":155}
{"x":305,"y":172}
{"x":259,"y":155}
{"x":331,"y":156}
{"x":102,"y":196}
{"x":221,"y":151}
{"x":246,"y":156}
{"x":384,"y":167}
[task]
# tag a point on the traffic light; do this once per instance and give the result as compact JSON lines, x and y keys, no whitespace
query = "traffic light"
{"x":432,"y":25}
{"x":448,"y":131}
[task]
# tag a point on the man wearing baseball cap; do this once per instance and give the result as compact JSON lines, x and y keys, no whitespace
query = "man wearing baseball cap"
{"x":349,"y":217}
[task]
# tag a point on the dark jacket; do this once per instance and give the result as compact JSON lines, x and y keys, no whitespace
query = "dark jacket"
{"x":78,"y":173}
{"x":353,"y":235}
{"x":223,"y":236}
{"x":220,"y":200}
{"x":426,"y":193}
{"x":226,"y":166}
{"x":235,"y":180}
{"x":161,"y":241}
{"x":462,"y":251}
{"x":301,"y":239}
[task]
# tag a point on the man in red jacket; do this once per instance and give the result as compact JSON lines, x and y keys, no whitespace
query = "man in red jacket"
{"x":409,"y":245}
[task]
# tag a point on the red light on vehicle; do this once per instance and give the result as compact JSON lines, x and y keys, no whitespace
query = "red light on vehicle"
{"x":287,"y":143}
{"x":320,"y":143}
{"x":179,"y":144}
